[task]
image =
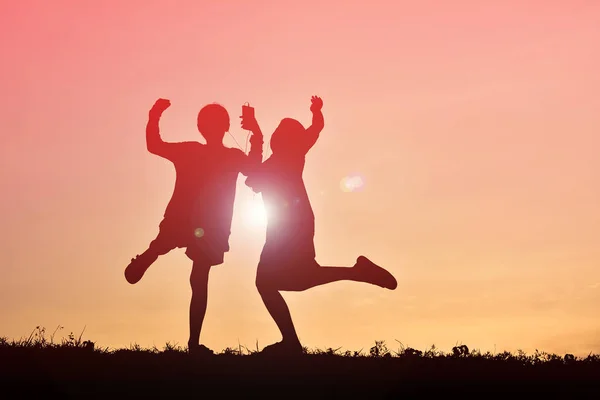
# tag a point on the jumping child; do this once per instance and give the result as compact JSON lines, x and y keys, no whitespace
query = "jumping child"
{"x":287,"y":261}
{"x":199,"y":214}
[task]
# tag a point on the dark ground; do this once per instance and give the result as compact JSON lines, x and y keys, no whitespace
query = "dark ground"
{"x":65,"y":372}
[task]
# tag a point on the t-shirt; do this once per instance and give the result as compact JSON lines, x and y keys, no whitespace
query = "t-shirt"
{"x":287,"y":205}
{"x":290,"y":218}
{"x":205,"y":185}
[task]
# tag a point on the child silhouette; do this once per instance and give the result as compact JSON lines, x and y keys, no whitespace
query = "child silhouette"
{"x":199,"y":214}
{"x":287,"y":261}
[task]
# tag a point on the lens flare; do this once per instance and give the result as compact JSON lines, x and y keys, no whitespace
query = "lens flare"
{"x":352,"y":183}
{"x":198,"y":232}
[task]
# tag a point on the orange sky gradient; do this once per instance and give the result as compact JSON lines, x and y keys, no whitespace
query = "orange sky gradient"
{"x":475,"y":126}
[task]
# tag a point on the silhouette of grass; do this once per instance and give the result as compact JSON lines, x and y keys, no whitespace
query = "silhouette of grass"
{"x":73,"y":367}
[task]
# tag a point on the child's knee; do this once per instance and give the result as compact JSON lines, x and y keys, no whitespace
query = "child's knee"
{"x":265,"y":284}
{"x":158,"y":247}
{"x":259,"y":282}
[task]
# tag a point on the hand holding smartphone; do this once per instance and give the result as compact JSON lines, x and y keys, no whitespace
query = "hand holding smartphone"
{"x":247,"y":111}
{"x":248,"y":119}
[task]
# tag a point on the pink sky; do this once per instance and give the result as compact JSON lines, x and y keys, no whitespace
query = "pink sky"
{"x":474,"y":126}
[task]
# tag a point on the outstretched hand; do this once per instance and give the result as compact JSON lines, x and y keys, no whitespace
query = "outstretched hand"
{"x":160,"y":105}
{"x":316,"y":103}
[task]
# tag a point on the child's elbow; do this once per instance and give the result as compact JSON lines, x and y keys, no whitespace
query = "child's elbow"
{"x":152,"y":148}
{"x":321,"y":124}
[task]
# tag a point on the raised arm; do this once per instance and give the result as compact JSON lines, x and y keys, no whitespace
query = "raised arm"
{"x":154,"y":142}
{"x":318,"y":122}
{"x":254,"y":157}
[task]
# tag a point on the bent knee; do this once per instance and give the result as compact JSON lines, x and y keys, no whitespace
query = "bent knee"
{"x":261,"y":284}
{"x":266,"y":283}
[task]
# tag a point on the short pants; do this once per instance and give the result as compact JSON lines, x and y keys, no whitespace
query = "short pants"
{"x":202,"y":245}
{"x":287,"y":253}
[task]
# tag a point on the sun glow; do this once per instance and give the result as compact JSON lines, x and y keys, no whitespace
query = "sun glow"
{"x":255,"y":214}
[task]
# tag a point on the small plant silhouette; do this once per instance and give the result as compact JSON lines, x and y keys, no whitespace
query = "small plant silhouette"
{"x":380,"y":349}
{"x":74,"y":364}
{"x":38,"y":339}
{"x":460,"y":351}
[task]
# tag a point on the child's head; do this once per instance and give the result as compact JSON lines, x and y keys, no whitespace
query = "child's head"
{"x":213,"y":122}
{"x":287,"y":136}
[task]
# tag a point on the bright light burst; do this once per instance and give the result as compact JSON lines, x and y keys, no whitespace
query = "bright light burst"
{"x":255,"y":214}
{"x":352,"y":183}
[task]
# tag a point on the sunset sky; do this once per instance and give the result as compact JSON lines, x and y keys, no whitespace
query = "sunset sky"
{"x":474,"y":125}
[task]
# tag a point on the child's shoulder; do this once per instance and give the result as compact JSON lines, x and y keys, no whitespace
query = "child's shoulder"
{"x":234,"y":154}
{"x":184,"y":149}
{"x":190,"y":145}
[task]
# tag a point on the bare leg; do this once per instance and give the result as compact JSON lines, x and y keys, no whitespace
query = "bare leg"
{"x":269,"y":286}
{"x":363,"y":271}
{"x":270,"y":281}
{"x":319,"y":276}
{"x":199,"y":283}
{"x":280,"y":312}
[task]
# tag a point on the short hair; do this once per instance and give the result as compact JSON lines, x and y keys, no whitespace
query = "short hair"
{"x":213,"y":117}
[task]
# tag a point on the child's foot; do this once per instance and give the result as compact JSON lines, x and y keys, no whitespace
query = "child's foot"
{"x":137,"y":267}
{"x":374,"y":274}
{"x":199,"y":350}
{"x":283,"y":349}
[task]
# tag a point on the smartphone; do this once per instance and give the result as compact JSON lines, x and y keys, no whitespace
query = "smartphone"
{"x":247,"y":111}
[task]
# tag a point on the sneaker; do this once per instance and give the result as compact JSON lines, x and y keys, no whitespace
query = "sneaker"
{"x":283,"y":349}
{"x":137,"y":267}
{"x":199,"y":350}
{"x":375,"y":274}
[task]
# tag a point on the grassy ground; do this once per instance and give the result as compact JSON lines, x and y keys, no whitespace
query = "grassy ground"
{"x":74,"y":368}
